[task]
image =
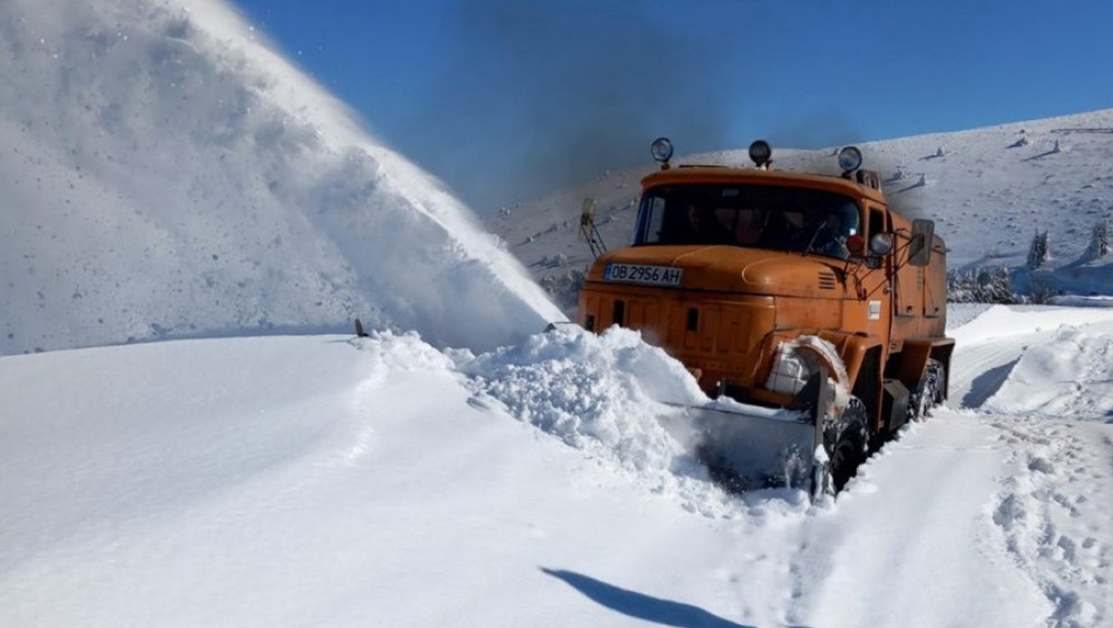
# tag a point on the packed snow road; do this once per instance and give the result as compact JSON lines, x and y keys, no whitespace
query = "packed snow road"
{"x":321,"y":481}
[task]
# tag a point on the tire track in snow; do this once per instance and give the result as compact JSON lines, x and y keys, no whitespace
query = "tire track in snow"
{"x":917,"y":512}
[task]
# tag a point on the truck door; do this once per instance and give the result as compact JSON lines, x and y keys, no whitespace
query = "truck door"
{"x":935,"y":285}
{"x":877,"y":306}
{"x":908,"y":286}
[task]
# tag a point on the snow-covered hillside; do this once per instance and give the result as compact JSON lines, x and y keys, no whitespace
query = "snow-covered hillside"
{"x":165,"y":174}
{"x":989,"y":190}
{"x":330,"y":481}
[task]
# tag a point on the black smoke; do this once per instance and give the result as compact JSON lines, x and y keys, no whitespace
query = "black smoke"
{"x":536,"y":96}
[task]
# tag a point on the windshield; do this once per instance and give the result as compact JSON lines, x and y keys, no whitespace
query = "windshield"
{"x":758,"y":216}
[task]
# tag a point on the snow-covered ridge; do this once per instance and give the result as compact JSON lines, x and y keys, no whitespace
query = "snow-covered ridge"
{"x":989,"y":190}
{"x":168,"y":175}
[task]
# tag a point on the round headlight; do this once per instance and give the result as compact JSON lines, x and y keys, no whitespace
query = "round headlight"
{"x":760,"y":152}
{"x":881,"y":244}
{"x":661,"y":149}
{"x":850,"y":159}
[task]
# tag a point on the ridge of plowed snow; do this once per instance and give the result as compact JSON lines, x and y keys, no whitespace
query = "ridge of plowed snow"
{"x":1066,"y":376}
{"x":990,"y":346}
{"x":168,"y":175}
{"x":604,"y":395}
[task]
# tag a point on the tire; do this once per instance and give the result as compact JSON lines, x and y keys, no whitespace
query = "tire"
{"x":846,"y":441}
{"x":929,"y":392}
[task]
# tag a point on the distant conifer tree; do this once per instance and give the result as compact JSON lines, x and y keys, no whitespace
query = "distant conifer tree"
{"x":1099,"y":242}
{"x":1038,"y":252}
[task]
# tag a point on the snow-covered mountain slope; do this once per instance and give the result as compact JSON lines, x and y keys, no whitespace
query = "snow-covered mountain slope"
{"x":166,"y":174}
{"x":988,"y":191}
{"x":330,"y":481}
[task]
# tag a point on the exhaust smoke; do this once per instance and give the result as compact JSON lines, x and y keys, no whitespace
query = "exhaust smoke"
{"x":553,"y":95}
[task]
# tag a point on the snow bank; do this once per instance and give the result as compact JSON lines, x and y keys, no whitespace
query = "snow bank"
{"x":1005,"y":321}
{"x":958,"y":314}
{"x":604,"y":395}
{"x":165,"y":174}
{"x":599,"y":393}
{"x":1068,"y":375}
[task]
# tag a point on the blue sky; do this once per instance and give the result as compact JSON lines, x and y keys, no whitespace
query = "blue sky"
{"x":508,"y":99}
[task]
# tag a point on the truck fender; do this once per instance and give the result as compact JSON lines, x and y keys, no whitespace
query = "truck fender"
{"x":914,"y":357}
{"x":863,"y":358}
{"x":854,"y":349}
{"x":844,"y":364}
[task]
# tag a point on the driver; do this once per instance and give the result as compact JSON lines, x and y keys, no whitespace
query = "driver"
{"x":705,"y":228}
{"x":822,"y":232}
{"x":749,"y":226}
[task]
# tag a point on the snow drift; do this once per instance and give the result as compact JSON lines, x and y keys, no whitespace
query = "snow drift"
{"x":328,"y":481}
{"x":165,"y":174}
{"x":605,"y":395}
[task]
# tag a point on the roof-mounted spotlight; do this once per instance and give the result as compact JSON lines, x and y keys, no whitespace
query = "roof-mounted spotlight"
{"x":850,"y":159}
{"x":761,"y":153}
{"x":661,"y":149}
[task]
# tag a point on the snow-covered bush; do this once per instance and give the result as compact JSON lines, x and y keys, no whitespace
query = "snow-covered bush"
{"x":1041,"y":289}
{"x":982,"y":285}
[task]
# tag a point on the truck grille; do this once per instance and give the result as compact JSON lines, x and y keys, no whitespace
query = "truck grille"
{"x":682,"y":326}
{"x":827,"y":281}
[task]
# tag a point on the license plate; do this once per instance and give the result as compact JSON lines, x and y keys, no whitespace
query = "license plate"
{"x":637,"y":273}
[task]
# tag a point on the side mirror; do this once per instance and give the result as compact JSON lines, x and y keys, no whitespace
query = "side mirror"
{"x":919,"y":249}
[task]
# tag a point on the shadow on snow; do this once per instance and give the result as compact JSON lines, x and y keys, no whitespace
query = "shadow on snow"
{"x":641,"y":606}
{"x":987,"y":384}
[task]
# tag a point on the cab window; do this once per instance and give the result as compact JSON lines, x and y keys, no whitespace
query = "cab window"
{"x":754,"y":216}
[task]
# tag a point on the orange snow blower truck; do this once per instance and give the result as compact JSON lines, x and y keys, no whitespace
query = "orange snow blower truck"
{"x":804,"y":304}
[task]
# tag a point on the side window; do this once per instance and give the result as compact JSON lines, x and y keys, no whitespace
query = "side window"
{"x":651,"y":220}
{"x":876,"y":225}
{"x":877,"y":222}
{"x":656,"y":220}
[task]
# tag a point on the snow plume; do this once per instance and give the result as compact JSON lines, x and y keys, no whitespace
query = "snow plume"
{"x":165,"y":174}
{"x":602,"y":394}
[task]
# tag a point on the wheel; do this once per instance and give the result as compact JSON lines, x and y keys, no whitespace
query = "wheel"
{"x":929,"y":392}
{"x":846,"y":442}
